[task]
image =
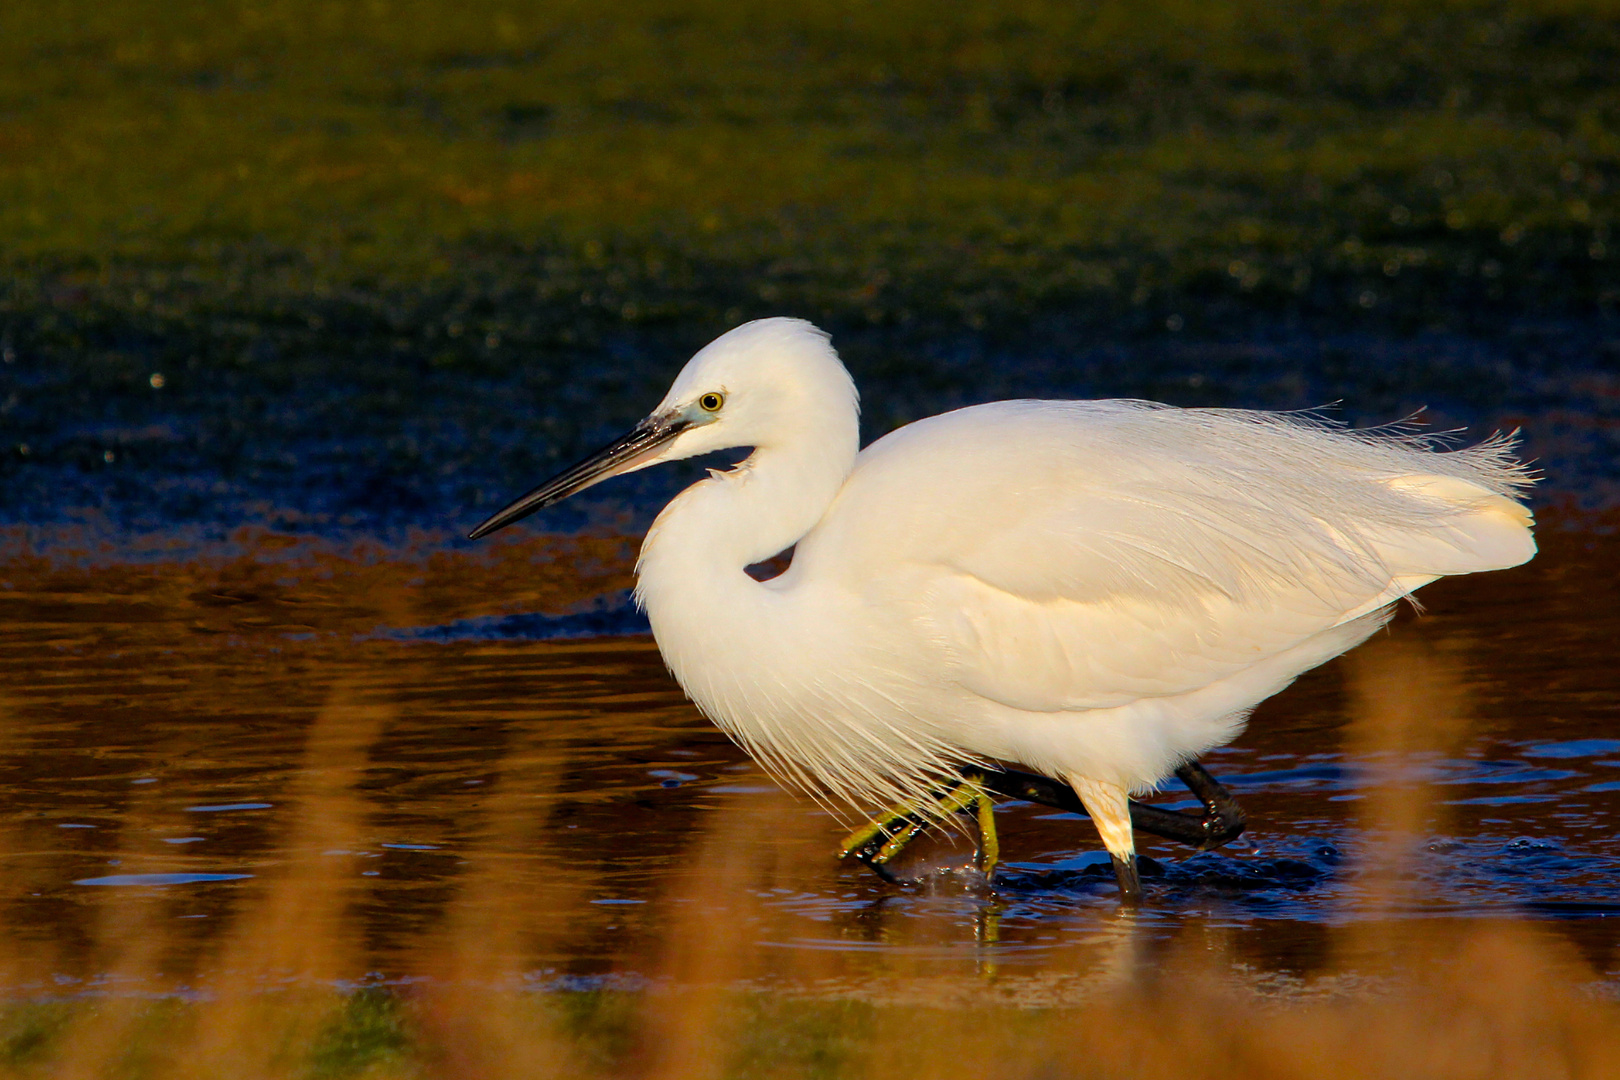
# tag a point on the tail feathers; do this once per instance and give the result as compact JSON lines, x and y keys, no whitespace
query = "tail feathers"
{"x":1475,"y":529}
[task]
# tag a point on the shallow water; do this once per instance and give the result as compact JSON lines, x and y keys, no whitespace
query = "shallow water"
{"x":276,"y":767}
{"x":350,"y":435}
{"x":329,"y":792}
{"x":296,"y":782}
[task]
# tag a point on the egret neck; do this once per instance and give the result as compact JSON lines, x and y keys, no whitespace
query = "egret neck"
{"x":727,"y":638}
{"x":693,"y":565}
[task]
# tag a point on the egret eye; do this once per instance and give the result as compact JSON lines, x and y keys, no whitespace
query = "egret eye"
{"x":711,"y":402}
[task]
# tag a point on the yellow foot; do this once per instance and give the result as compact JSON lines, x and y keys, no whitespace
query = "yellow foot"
{"x":885,"y":836}
{"x":989,"y":842}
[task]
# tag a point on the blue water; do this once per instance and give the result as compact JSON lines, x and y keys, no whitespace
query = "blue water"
{"x":612,"y":615}
{"x":197,"y":695}
{"x":159,"y":879}
{"x":350,"y":437}
{"x":1289,"y":872}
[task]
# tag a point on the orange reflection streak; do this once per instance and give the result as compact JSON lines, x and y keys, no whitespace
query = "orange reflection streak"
{"x":296,"y":937}
{"x":717,"y":923}
{"x":17,"y":968}
{"x":133,"y":939}
{"x":278,"y":584}
{"x":1409,"y":705}
{"x":516,"y":900}
{"x":732,"y":942}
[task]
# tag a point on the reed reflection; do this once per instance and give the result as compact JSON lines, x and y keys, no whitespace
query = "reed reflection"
{"x":513,"y":858}
{"x":517,"y":903}
{"x":132,"y":943}
{"x":1410,"y":708}
{"x":299,"y":934}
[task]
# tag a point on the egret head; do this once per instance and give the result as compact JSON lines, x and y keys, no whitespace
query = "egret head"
{"x":763,"y":384}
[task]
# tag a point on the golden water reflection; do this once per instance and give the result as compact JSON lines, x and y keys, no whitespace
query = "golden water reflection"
{"x":257,"y":832}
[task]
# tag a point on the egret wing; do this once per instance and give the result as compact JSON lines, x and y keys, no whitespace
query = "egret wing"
{"x":1074,"y":555}
{"x":1113,"y":628}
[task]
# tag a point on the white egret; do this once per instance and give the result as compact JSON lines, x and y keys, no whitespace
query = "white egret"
{"x":1099,"y":591}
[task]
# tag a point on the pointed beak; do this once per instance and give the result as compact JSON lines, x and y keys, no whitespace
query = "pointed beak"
{"x":621,"y":455}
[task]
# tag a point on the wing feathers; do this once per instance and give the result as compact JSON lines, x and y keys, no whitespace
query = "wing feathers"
{"x":1089,"y":554}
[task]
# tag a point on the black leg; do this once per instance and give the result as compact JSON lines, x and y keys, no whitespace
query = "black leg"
{"x":1130,"y":882}
{"x":1222,"y":822}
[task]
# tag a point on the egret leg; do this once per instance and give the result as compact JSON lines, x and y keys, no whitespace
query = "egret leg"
{"x":1110,"y":808}
{"x":1222,"y":822}
{"x":885,"y":836}
{"x":989,"y":842}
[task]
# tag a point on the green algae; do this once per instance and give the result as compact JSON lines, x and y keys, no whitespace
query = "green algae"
{"x":664,"y":161}
{"x":385,"y":256}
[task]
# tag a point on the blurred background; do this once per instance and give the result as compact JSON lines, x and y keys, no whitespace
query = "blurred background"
{"x":296,"y":782}
{"x":360,"y":268}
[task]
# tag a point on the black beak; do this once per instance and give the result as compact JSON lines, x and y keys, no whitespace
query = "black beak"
{"x":640,"y":443}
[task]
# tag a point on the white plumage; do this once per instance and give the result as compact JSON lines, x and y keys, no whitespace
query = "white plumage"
{"x":1099,"y":591}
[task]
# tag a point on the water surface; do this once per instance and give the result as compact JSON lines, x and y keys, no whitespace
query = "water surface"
{"x":278,"y":763}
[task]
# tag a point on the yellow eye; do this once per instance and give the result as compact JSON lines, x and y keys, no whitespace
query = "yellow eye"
{"x":711,"y":402}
